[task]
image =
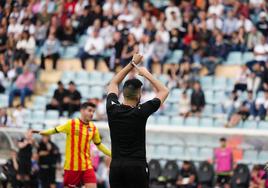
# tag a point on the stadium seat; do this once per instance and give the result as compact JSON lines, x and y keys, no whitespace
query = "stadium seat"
{"x":154,"y":169}
{"x":178,"y":121}
{"x":229,"y":85}
{"x":206,"y":154}
{"x":176,"y":152}
{"x":170,"y":171}
{"x":38,"y":116}
{"x":206,"y":122}
{"x":250,"y":156}
{"x":84,"y":90}
{"x":81,"y":78}
{"x":162,"y":120}
{"x":27,"y":116}
{"x":263,"y":125}
{"x":250,"y":124}
{"x":219,"y":83}
{"x":208,"y":110}
{"x":161,"y":152}
{"x":52,"y":114}
{"x":209,"y":96}
{"x":174,"y":96}
{"x":107,"y":77}
{"x":206,"y":82}
{"x":175,"y":57}
{"x":68,"y":76}
{"x":96,"y":92}
{"x":192,"y":122}
{"x":172,"y":109}
{"x":206,"y":175}
{"x":3,"y":100}
{"x":241,"y":176}
{"x":219,"y":96}
{"x":37,"y":126}
{"x":40,"y":103}
{"x":247,"y":56}
{"x":263,"y":157}
{"x":163,"y":78}
{"x":96,"y":78}
{"x":51,"y":90}
{"x":234,"y":58}
{"x":70,"y":52}
{"x":191,"y":153}
{"x":82,"y":41}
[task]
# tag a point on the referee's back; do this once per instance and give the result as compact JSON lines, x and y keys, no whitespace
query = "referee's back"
{"x":127,"y":127}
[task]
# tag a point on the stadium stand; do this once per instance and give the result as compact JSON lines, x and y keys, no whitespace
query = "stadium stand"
{"x":222,"y":45}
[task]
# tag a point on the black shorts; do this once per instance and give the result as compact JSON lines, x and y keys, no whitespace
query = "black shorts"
{"x":129,"y":174}
{"x":223,"y":179}
{"x":47,"y":176}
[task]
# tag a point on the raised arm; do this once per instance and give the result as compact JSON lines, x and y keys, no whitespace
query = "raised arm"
{"x":161,"y":90}
{"x":59,"y":129}
{"x":119,"y":77}
{"x":98,"y":142}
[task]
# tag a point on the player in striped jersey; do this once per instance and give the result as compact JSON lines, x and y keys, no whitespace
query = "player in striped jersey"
{"x":80,"y":132}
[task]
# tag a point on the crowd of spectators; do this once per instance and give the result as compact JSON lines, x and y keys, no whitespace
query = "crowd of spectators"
{"x":113,"y":30}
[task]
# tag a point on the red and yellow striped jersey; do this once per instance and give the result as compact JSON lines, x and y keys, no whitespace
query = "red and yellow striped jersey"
{"x":79,"y":136}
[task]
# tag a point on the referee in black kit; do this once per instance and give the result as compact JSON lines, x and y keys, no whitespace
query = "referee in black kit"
{"x":127,"y":124}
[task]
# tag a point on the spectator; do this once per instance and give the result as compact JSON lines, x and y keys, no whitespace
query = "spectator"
{"x":257,"y":177}
{"x":259,"y":108}
{"x":145,"y":48}
{"x":159,"y":52}
{"x":2,"y":78}
{"x":262,"y":24}
{"x":214,"y":22}
{"x":197,"y":99}
{"x":103,"y":173}
{"x":137,"y":30}
{"x":66,"y":33}
{"x":3,"y":41}
{"x":265,"y":77}
{"x":5,"y":119}
{"x":50,"y":50}
{"x":241,"y":80}
{"x":93,"y":49}
{"x":260,"y":52}
{"x":72,"y":101}
{"x":18,"y":117}
{"x":48,"y":152}
{"x":23,"y":87}
{"x":129,"y":49}
{"x":230,"y":24}
{"x":223,"y":157}
{"x":11,"y":169}
{"x":25,"y":47}
{"x":40,"y":33}
{"x":83,"y":21}
{"x":58,"y":99}
{"x":215,"y":8}
{"x":173,"y":17}
{"x":184,"y":105}
{"x":254,"y":38}
{"x":24,"y":159}
{"x":245,"y":23}
{"x":254,"y":78}
{"x":231,"y":105}
{"x":117,"y":47}
{"x":187,"y":176}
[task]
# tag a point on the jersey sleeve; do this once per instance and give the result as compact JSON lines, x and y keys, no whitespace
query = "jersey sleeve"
{"x":96,"y":137}
{"x":111,"y":102}
{"x":65,"y":128}
{"x":150,"y":107}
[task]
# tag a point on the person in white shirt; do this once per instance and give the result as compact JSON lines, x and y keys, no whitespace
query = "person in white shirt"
{"x":112,"y":5}
{"x":259,"y":109}
{"x":244,"y":22}
{"x":173,"y":17}
{"x":214,"y":23}
{"x":14,"y":28}
{"x":25,"y":47}
{"x":126,"y":16}
{"x":230,"y":24}
{"x":137,"y":30}
{"x":261,"y":51}
{"x":216,"y":8}
{"x":79,"y":7}
{"x":145,"y":48}
{"x":184,"y":104}
{"x":163,"y":33}
{"x":105,"y":33}
{"x":93,"y":48}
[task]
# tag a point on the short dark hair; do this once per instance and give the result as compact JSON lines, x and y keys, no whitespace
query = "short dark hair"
{"x":131,"y":88}
{"x":87,"y":104}
{"x":223,"y":139}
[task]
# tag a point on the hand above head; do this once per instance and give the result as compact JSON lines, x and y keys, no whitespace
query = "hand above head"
{"x":137,"y":58}
{"x":142,"y":71}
